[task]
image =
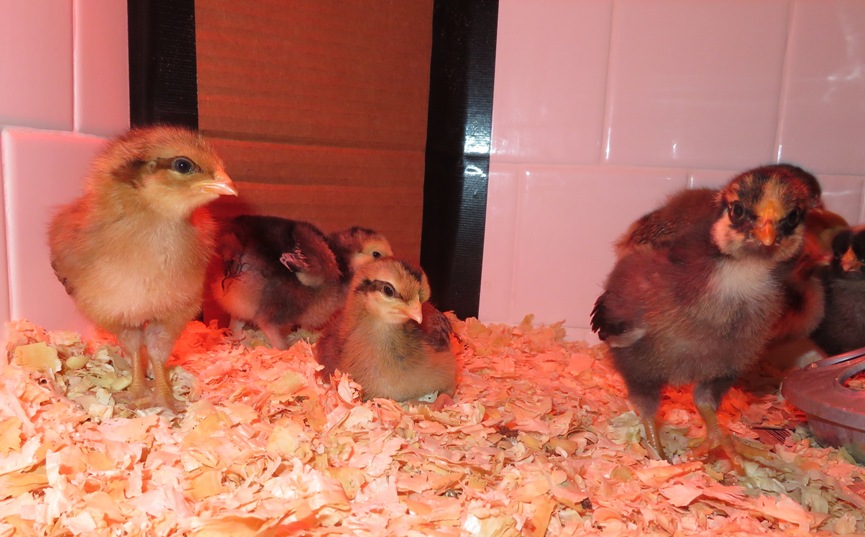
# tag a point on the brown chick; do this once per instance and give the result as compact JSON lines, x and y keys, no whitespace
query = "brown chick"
{"x":389,"y":338}
{"x":133,"y":250}
{"x":697,"y":303}
{"x":803,"y":291}
{"x":843,"y":327}
{"x":803,"y":288}
{"x":284,"y":275}
{"x":356,"y":246}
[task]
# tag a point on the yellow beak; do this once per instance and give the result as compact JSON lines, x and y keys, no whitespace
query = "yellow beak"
{"x":766,"y":233}
{"x":413,"y":311}
{"x":849,"y":262}
{"x":768,"y":212}
{"x":221,"y":185}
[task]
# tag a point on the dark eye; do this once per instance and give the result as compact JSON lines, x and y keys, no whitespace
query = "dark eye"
{"x":376,"y":254}
{"x":388,"y":290}
{"x":737,"y":211}
{"x":182,"y":165}
{"x":793,"y":219}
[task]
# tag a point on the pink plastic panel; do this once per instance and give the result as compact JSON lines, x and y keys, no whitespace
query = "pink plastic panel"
{"x":41,"y":170}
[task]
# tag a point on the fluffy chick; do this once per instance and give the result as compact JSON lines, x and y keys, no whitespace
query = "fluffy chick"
{"x":803,"y":288}
{"x":698,"y":287}
{"x":356,"y":246}
{"x":284,"y":275}
{"x":389,"y":338}
{"x":133,"y":250}
{"x":843,"y":326}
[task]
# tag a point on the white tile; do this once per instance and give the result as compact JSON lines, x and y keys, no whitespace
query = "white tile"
{"x":41,"y":171}
{"x":568,"y":219}
{"x":843,"y":194}
{"x":101,"y":55}
{"x":499,"y":235}
{"x":695,"y":84}
{"x":823,"y":107}
{"x":551,"y":69}
{"x":36,"y":63}
{"x":703,"y":178}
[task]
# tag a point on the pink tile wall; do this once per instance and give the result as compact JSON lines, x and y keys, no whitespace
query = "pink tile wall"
{"x":36,"y":63}
{"x":101,"y":83}
{"x":554,"y":101}
{"x":603,"y":107}
{"x":823,"y":106}
{"x":63,"y":79}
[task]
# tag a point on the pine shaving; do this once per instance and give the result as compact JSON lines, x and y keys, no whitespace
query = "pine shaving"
{"x":540,"y":440}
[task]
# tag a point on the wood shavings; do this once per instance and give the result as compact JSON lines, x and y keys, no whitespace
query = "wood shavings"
{"x":540,"y":440}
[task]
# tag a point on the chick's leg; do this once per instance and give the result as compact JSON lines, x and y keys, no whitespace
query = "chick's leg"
{"x":707,"y":398}
{"x":159,"y":339}
{"x":274,"y":336}
{"x":647,"y":399}
{"x":130,"y":340}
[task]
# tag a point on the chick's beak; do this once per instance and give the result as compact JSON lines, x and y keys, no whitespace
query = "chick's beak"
{"x":220,"y":184}
{"x":767,"y":215}
{"x":412,"y":310}
{"x":765,"y":233}
{"x":849,"y":261}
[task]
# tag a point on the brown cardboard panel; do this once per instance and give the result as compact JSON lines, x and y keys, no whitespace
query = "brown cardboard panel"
{"x":268,"y":162}
{"x":351,"y":73}
{"x":392,"y":210}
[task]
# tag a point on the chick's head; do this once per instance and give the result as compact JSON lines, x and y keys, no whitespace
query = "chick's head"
{"x":848,"y":249}
{"x":392,"y":290}
{"x":762,"y":211}
{"x":363,"y":245}
{"x":172,"y":170}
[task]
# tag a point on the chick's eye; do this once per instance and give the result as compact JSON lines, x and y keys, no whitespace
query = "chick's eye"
{"x":388,"y":290}
{"x":793,"y":218}
{"x":737,"y":211}
{"x":183,"y":165}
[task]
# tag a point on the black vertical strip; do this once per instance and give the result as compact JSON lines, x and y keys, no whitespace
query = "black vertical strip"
{"x":163,"y":81}
{"x":458,"y":151}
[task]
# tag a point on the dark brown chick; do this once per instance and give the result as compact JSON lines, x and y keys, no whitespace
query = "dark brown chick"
{"x":133,"y":250}
{"x":803,"y":287}
{"x":697,"y":303}
{"x":803,"y":291}
{"x":843,"y":326}
{"x":389,"y":338}
{"x":284,"y":275}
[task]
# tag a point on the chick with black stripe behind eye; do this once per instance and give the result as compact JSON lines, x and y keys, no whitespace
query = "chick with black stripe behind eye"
{"x":285,"y":275}
{"x":389,"y":338}
{"x":132,"y":252}
{"x":698,"y":287}
{"x":843,"y":326}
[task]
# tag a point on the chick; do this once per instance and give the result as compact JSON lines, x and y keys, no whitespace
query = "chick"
{"x":389,"y":338}
{"x":803,"y":291}
{"x":698,"y":287}
{"x":284,"y":275}
{"x":355,"y":247}
{"x":803,"y":288}
{"x":133,"y":250}
{"x":843,"y":326}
